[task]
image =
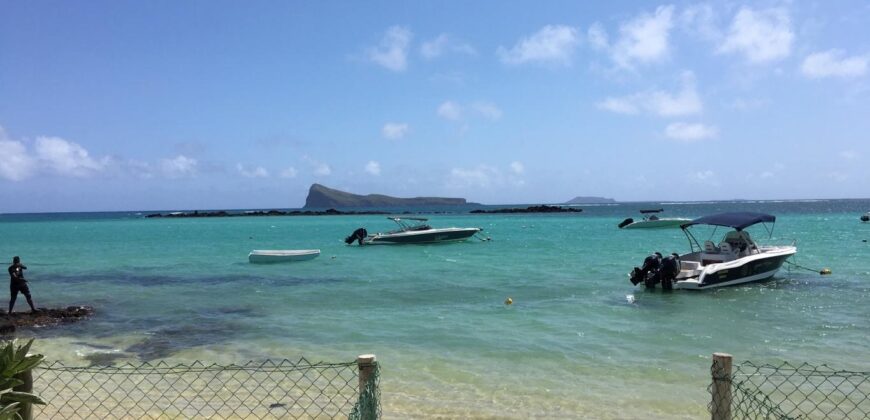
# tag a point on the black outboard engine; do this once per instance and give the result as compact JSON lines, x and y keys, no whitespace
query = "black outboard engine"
{"x":648,"y":273}
{"x":669,"y":271}
{"x":357,"y":235}
{"x":625,"y":222}
{"x":865,"y":218}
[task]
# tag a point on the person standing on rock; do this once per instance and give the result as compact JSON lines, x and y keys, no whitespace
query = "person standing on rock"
{"x":18,"y":284}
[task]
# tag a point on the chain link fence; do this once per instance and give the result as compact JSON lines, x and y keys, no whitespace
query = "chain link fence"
{"x":255,"y":390}
{"x":787,"y":391}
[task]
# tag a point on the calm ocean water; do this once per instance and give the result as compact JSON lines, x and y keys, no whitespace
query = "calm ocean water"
{"x":579,"y":340}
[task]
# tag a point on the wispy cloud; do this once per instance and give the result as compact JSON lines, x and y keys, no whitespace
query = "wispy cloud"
{"x":289,"y":172}
{"x":849,"y":155}
{"x":834,"y":63}
{"x":552,"y":44}
{"x":392,"y":52}
{"x":50,"y":154}
{"x":251,"y":171}
{"x":450,"y":110}
{"x":373,"y":168}
{"x":319,"y":168}
{"x":444,"y":44}
{"x":689,"y":132}
{"x":760,"y":35}
{"x":178,"y":167}
{"x":659,"y":102}
{"x":394,"y":131}
{"x":487,"y":110}
{"x":517,"y":167}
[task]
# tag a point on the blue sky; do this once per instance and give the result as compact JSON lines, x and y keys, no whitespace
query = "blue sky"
{"x":165,"y":105}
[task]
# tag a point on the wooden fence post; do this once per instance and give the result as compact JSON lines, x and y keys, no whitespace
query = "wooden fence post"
{"x":367,"y":364}
{"x":25,"y":410}
{"x":720,"y":407}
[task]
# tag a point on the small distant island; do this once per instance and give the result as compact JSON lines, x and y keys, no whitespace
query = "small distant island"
{"x":532,"y":209}
{"x":320,"y":196}
{"x":590,"y":200}
{"x":224,"y":213}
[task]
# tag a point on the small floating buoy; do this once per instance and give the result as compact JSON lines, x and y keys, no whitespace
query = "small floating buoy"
{"x":508,"y":301}
{"x":825,"y":271}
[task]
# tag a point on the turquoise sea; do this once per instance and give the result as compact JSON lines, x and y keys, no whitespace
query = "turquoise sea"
{"x":579,"y":340}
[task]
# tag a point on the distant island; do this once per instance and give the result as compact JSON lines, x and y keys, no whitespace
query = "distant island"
{"x":591,"y":200}
{"x":224,"y":213}
{"x":320,"y":196}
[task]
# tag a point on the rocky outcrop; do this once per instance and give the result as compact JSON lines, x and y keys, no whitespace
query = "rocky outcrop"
{"x":320,"y":196}
{"x":591,"y":200}
{"x":44,"y":318}
{"x":222,"y":213}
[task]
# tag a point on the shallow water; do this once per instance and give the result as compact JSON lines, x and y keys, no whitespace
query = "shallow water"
{"x":578,"y":341}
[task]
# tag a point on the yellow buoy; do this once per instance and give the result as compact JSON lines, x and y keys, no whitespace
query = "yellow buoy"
{"x":825,"y":271}
{"x":508,"y":301}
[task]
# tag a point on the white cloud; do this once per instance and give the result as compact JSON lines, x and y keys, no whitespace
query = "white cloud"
{"x":517,"y":167}
{"x":760,"y":35}
{"x":552,"y":44}
{"x":689,"y":132}
{"x":487,"y":110}
{"x":700,"y":20}
{"x":16,"y":164}
{"x":288,"y":173}
{"x":65,"y":157}
{"x":450,"y":110}
{"x":644,"y":39}
{"x":394,"y":131}
{"x":178,"y":166}
{"x":252,"y":172}
{"x":392,"y":53}
{"x":483,"y":176}
{"x":833,"y":63}
{"x":707,"y":177}
{"x":322,"y":169}
{"x":597,"y":37}
{"x":658,"y":102}
{"x":373,"y":168}
{"x":443,"y":44}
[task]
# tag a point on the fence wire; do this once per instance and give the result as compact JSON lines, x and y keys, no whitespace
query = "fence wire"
{"x":255,"y":390}
{"x":787,"y":391}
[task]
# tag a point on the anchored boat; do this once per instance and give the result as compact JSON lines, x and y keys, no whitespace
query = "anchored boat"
{"x":412,"y":230}
{"x":736,"y":259}
{"x":652,"y":220}
{"x":866,"y":217}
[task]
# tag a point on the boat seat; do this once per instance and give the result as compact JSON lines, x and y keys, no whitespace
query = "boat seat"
{"x":725,"y":248}
{"x":710,"y":247}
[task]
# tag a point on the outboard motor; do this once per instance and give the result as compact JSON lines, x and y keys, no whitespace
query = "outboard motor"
{"x":626,"y":222}
{"x":865,"y":217}
{"x":669,"y":271}
{"x":648,"y":273}
{"x":357,"y":235}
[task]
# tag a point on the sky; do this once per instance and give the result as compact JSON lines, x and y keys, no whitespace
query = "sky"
{"x":159,"y":105}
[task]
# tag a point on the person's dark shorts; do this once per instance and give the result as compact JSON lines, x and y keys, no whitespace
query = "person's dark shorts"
{"x":19,"y":286}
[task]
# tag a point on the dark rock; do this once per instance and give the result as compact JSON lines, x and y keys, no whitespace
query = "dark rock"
{"x":47,"y":317}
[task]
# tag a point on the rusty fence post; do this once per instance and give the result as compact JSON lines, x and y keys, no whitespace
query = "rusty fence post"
{"x":367,"y":365}
{"x":720,"y":406}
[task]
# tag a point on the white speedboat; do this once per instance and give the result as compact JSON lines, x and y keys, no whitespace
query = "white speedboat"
{"x":282,"y":255}
{"x":736,"y":259}
{"x":652,"y":220}
{"x":412,"y":230}
{"x":866,"y":217}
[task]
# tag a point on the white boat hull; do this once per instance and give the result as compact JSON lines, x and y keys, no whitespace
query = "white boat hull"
{"x":286,"y":255}
{"x":751,"y":268}
{"x":426,"y":236}
{"x":660,"y":223}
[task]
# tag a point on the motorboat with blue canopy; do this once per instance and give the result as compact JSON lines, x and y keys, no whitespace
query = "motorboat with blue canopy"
{"x":737,"y":258}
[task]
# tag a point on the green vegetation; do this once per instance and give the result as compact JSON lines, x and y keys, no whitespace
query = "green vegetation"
{"x":320,"y":196}
{"x":13,"y":361}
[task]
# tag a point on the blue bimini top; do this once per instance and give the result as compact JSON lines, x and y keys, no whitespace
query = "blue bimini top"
{"x":738,"y":220}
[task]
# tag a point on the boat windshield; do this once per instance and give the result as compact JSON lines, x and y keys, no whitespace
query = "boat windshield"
{"x":411,"y":223}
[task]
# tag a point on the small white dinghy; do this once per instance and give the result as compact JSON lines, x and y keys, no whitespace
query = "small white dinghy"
{"x":282,"y":255}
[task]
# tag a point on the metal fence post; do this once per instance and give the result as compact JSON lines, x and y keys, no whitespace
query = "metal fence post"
{"x":367,"y":364}
{"x":25,"y":410}
{"x":720,"y":407}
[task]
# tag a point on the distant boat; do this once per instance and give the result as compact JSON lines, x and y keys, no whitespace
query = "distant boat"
{"x":651,"y":220}
{"x":866,"y":217}
{"x":282,"y":255}
{"x":412,"y":230}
